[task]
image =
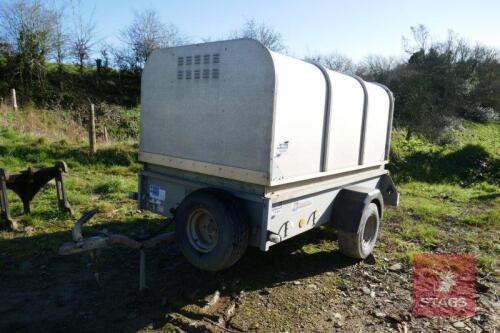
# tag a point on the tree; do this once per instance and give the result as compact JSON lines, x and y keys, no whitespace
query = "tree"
{"x":424,"y":93}
{"x":60,"y":38}
{"x":420,"y":39}
{"x":145,"y":34}
{"x":83,"y":36}
{"x":336,"y":62}
{"x":377,"y":68}
{"x":441,"y":81}
{"x":125,"y":59}
{"x":5,"y":47}
{"x":269,"y":37}
{"x":28,"y":26}
{"x":105,"y":55}
{"x":484,"y":85}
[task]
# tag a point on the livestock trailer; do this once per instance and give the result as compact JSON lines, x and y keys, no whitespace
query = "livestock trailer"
{"x":244,"y":146}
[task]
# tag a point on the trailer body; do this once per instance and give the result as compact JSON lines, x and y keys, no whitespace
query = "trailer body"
{"x":257,"y":116}
{"x":282,"y":135}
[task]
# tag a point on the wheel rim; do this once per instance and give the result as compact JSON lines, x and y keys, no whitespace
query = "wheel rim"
{"x":370,"y":233}
{"x":202,"y":230}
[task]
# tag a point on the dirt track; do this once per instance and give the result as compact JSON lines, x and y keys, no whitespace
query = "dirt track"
{"x":285,"y":290}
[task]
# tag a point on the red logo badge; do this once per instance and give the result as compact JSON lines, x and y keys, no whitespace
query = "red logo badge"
{"x":444,"y":285}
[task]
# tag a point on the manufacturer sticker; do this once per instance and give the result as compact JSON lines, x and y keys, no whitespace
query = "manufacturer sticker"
{"x":298,"y":205}
{"x":282,"y":148}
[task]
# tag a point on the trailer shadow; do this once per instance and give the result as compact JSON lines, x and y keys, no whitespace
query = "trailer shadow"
{"x":48,"y":292}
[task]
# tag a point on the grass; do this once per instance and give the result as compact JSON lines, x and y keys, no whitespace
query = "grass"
{"x":42,"y":124}
{"x":448,"y":202}
{"x":101,"y":183}
{"x":463,"y":220}
{"x":440,"y":210}
{"x":486,"y":135}
{"x":472,"y":157}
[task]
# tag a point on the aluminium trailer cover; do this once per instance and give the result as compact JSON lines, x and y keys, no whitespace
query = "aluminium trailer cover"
{"x":236,"y":110}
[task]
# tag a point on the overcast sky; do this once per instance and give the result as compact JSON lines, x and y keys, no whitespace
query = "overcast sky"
{"x":354,"y":28}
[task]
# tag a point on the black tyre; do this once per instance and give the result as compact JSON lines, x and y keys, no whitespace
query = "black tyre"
{"x":210,"y":230}
{"x":360,"y":245}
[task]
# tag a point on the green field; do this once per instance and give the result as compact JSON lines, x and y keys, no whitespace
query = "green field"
{"x":450,"y":202}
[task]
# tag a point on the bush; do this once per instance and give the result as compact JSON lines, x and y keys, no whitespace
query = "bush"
{"x":482,"y":114}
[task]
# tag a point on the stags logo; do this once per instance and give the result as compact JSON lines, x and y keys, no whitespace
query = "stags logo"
{"x":443,"y":285}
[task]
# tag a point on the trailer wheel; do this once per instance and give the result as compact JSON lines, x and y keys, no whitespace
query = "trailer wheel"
{"x":210,"y":230}
{"x":359,"y":245}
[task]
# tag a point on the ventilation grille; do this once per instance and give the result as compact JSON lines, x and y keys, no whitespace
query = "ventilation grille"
{"x":206,"y":73}
{"x":200,"y":70}
{"x":215,"y":73}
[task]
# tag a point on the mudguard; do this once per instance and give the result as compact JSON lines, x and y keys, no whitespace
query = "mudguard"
{"x":349,"y":205}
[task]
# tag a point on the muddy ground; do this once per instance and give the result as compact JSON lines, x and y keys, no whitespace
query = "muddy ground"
{"x":288,"y":289}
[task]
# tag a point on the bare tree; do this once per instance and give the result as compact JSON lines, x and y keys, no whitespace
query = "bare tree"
{"x":124,"y":58}
{"x":83,"y":35}
{"x":105,"y":52}
{"x":377,"y":67}
{"x":146,"y":33}
{"x":24,"y":22}
{"x":5,"y":47}
{"x":456,"y":47}
{"x":28,"y":26}
{"x":263,"y":33}
{"x":60,"y":38}
{"x":336,"y":62}
{"x":421,"y":40}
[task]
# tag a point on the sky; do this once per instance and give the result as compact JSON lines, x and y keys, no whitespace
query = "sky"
{"x":353,"y":28}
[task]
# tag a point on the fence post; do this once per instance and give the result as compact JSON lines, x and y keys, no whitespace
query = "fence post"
{"x":14,"y":99}
{"x":106,"y":139}
{"x":92,"y":137}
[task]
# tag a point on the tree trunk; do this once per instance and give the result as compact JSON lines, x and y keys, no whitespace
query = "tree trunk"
{"x":81,"y":64}
{"x":409,"y":133}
